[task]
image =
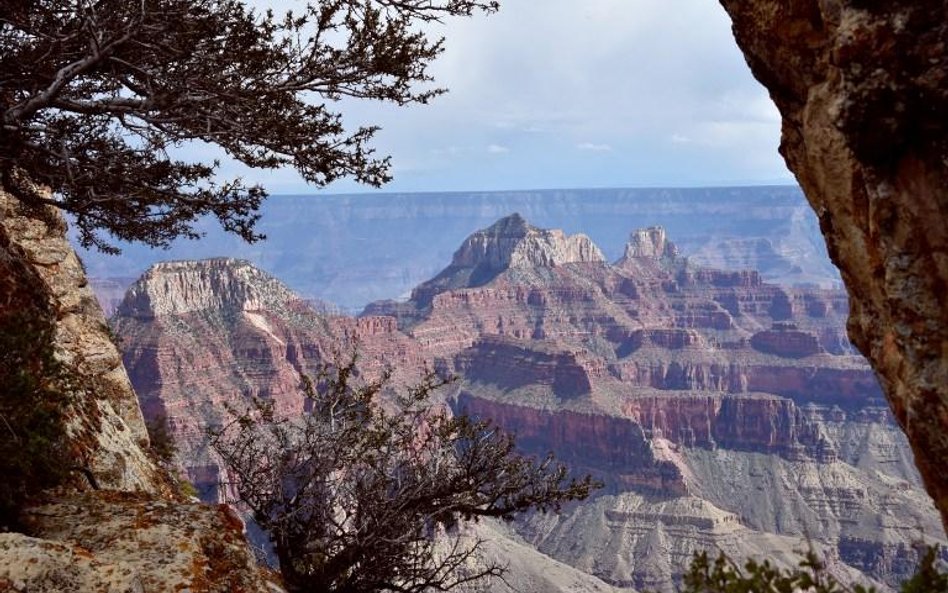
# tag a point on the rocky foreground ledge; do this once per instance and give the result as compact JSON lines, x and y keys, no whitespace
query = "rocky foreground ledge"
{"x":129,"y":542}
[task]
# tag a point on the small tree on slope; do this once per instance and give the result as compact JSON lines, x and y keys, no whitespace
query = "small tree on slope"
{"x":96,"y":95}
{"x":354,"y":497}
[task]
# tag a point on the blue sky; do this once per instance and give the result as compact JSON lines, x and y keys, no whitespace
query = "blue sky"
{"x":567,"y":93}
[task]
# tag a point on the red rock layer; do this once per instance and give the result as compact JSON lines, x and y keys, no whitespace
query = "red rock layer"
{"x":191,"y":364}
{"x":614,"y":448}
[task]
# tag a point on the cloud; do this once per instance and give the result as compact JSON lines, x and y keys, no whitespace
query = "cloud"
{"x":668,"y":92}
{"x":594,"y":147}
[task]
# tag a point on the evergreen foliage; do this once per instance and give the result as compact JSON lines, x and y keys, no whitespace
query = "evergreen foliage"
{"x":160,"y":438}
{"x":724,"y":576}
{"x":33,"y":402}
{"x":96,"y":96}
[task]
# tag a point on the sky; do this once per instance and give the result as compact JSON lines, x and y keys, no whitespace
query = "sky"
{"x":569,"y":94}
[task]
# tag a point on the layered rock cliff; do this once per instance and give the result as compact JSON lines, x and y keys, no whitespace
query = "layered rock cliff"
{"x":199,"y":337}
{"x":230,"y":286}
{"x":862,"y":89}
{"x":652,"y":371}
{"x":670,"y":381}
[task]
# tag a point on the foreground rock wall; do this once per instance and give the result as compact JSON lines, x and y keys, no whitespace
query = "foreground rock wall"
{"x":863,"y":88}
{"x":126,"y":527}
{"x":106,"y":427}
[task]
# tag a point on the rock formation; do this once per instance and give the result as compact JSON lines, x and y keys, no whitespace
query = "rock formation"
{"x":107,"y":428}
{"x":230,"y":286}
{"x":509,"y":243}
{"x":118,"y":541}
{"x":681,"y":386}
{"x":651,"y":242}
{"x":122,"y":527}
{"x":201,"y":336}
{"x":862,"y":88}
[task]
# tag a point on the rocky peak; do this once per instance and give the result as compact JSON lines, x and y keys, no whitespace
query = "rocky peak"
{"x":512,"y":242}
{"x":650,"y":242}
{"x":508,"y":243}
{"x":223,"y":284}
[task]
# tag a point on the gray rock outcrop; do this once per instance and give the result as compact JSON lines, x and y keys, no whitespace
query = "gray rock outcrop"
{"x":106,"y":425}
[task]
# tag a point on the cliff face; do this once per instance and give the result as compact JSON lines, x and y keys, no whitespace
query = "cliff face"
{"x":105,"y":424}
{"x":227,"y":285}
{"x":862,"y":89}
{"x":201,"y":336}
{"x":129,"y":530}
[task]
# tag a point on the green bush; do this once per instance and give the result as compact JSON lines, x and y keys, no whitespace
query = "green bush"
{"x":724,"y":576}
{"x":162,"y":441}
{"x":34,"y":390}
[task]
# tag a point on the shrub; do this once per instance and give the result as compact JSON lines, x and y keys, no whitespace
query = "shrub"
{"x":354,"y":497}
{"x":34,"y":390}
{"x":161,"y":439}
{"x":724,"y":576}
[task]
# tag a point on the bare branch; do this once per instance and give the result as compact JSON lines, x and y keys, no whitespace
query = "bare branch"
{"x":359,"y":499}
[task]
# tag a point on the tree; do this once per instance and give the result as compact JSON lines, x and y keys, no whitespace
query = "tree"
{"x":359,"y":499}
{"x":96,"y":95}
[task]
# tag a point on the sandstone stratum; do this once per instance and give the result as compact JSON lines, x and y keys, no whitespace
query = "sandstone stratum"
{"x":722,"y":411}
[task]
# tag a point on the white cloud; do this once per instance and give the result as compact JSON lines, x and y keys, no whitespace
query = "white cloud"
{"x":668,"y":91}
{"x":590,"y":146}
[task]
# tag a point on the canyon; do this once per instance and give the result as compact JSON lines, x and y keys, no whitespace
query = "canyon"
{"x":708,"y":435}
{"x":721,"y":411}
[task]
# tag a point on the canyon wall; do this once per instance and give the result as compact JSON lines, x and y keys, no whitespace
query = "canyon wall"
{"x":693,"y":393}
{"x":862,"y":88}
{"x":361,"y":248}
{"x":200,"y":338}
